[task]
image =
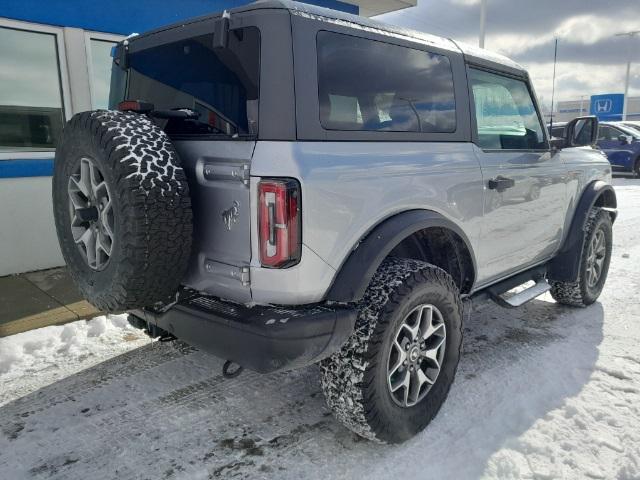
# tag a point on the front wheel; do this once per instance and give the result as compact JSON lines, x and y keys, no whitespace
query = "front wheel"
{"x":392,"y":375}
{"x":594,"y":264}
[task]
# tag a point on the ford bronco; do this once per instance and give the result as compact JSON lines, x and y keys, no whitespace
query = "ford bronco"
{"x":282,"y":184}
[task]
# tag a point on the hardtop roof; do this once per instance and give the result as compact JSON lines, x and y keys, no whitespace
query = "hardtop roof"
{"x":328,"y":15}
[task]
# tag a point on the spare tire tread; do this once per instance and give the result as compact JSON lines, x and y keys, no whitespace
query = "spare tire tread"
{"x":154,"y":229}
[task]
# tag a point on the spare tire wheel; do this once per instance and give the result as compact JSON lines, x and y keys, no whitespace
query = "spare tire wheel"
{"x":122,"y":210}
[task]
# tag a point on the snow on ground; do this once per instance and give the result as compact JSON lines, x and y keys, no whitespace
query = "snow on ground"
{"x":32,"y":359}
{"x":542,"y":392}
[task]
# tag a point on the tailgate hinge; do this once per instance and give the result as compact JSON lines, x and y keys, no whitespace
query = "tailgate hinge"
{"x":229,"y":271}
{"x":222,"y":171}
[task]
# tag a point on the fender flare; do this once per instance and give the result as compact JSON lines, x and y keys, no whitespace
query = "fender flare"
{"x":356,"y":272}
{"x":565,"y":266}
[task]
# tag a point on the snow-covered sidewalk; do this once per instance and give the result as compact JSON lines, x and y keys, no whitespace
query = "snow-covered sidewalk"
{"x":39,"y":357}
{"x":542,"y":392}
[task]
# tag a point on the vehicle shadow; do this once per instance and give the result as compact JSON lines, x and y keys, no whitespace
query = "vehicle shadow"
{"x":165,"y":411}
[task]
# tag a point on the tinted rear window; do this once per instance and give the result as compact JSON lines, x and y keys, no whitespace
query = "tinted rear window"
{"x":220,"y":84}
{"x":375,"y":86}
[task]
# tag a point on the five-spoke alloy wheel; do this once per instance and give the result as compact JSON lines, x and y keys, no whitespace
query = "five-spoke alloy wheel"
{"x":91,"y":213}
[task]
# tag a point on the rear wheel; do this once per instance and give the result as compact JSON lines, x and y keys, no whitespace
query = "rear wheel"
{"x":636,"y":169}
{"x":393,"y":374}
{"x":594,"y":264}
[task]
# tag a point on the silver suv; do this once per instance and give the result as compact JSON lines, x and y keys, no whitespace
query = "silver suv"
{"x":283,"y":184}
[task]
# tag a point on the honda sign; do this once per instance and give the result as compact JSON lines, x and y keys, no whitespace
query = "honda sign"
{"x":608,"y":106}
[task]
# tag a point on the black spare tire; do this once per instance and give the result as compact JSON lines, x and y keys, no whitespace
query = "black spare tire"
{"x":122,"y":210}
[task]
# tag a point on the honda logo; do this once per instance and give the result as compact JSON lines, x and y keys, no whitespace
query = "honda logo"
{"x":604,"y":105}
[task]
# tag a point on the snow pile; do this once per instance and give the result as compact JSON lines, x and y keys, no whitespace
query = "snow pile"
{"x":39,"y":354}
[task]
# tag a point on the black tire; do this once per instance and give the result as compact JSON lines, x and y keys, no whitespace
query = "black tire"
{"x":636,"y":168}
{"x":580,"y":293}
{"x":354,"y":379}
{"x":151,"y":209}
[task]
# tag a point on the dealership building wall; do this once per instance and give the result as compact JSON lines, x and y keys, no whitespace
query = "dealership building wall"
{"x":570,"y":109}
{"x":55,"y":62}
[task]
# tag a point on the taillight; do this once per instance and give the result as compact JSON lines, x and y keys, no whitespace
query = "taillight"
{"x":279,"y":223}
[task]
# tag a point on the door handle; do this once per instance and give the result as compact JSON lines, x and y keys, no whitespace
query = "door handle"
{"x":500,"y":183}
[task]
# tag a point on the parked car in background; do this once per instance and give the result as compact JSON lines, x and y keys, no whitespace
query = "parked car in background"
{"x":621,"y":143}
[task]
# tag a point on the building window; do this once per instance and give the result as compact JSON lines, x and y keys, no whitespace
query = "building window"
{"x":31,"y":105}
{"x":100,"y":65}
{"x":376,"y":86}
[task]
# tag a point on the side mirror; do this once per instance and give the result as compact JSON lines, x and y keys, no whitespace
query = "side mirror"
{"x":582,"y":132}
{"x":624,"y":139}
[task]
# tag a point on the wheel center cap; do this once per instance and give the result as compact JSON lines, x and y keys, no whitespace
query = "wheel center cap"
{"x":414,"y":354}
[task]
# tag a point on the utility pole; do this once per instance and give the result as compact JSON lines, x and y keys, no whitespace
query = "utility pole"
{"x":626,"y":81}
{"x":483,"y":21}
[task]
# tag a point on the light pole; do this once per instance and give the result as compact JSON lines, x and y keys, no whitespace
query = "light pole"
{"x":626,"y":81}
{"x":483,"y":21}
{"x":582,"y":104}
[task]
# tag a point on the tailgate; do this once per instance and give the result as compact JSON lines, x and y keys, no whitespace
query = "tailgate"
{"x":218,"y":174}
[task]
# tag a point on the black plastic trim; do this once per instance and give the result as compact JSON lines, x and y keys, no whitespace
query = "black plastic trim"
{"x":565,"y":266}
{"x":263,"y":339}
{"x":355,"y":274}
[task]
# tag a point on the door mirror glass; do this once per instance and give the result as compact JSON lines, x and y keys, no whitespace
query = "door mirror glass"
{"x":582,"y":132}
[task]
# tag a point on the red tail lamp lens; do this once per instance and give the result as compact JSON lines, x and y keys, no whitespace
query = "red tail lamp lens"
{"x":279,"y":223}
{"x":135,"y":106}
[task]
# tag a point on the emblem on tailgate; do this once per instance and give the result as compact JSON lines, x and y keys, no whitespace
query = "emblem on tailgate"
{"x":230,"y":216}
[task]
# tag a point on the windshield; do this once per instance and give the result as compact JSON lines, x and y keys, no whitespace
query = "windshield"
{"x":220,"y":84}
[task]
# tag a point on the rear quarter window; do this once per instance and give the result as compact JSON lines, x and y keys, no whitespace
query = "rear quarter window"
{"x":369,"y":85}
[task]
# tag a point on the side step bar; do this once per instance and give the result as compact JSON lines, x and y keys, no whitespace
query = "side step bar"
{"x":497,"y":292}
{"x":520,"y":298}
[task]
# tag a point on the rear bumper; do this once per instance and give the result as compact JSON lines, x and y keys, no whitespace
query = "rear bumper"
{"x":264,"y":339}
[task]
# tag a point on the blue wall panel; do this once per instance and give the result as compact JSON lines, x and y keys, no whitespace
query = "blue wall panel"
{"x":37,"y":167}
{"x":125,"y":16}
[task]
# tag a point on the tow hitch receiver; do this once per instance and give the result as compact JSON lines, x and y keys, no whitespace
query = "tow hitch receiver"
{"x":228,"y":372}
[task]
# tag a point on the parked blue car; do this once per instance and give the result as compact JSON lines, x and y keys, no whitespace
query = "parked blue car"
{"x":620,"y":142}
{"x":622,"y":146}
